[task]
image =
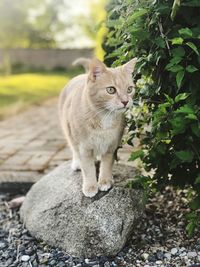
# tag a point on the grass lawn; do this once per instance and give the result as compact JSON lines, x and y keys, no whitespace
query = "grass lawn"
{"x":21,"y":90}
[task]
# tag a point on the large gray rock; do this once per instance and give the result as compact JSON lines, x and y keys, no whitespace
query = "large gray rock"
{"x":56,"y":211}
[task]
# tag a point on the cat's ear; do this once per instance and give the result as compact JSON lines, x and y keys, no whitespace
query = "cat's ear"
{"x":96,"y":69}
{"x":130,"y":66}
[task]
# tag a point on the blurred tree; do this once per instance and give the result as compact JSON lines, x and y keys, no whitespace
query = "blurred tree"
{"x":93,"y":25}
{"x":12,"y":23}
{"x":25,"y":23}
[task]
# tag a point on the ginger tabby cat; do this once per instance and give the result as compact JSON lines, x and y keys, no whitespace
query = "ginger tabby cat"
{"x":91,"y":109}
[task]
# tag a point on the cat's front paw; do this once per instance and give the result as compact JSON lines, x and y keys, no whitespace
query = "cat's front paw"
{"x":90,"y":190}
{"x":75,"y":165}
{"x":105,"y":184}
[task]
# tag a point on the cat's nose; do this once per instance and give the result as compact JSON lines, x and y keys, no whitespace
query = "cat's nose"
{"x":125,"y":103}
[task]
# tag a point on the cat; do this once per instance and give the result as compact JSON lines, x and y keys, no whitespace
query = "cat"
{"x":91,"y":110}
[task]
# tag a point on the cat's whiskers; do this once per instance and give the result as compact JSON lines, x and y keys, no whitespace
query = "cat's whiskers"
{"x":95,"y":114}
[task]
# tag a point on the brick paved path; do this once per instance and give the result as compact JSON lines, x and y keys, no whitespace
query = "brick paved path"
{"x":31,"y":144}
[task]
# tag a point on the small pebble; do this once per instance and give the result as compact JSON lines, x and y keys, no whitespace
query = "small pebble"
{"x":198,"y":247}
{"x":25,"y":258}
{"x":2,"y":245}
{"x":168,"y":256}
{"x":160,"y":255}
{"x":46,"y":255}
{"x":183,"y":254}
{"x":174,"y":251}
{"x":107,"y":264}
{"x":29,"y":251}
{"x":52,"y":262}
{"x":191,"y":254}
{"x":22,"y":248}
{"x":159,"y":262}
{"x":145,"y":256}
{"x":182,"y":249}
{"x":9,"y":262}
{"x":151,"y":258}
{"x":61,"y":264}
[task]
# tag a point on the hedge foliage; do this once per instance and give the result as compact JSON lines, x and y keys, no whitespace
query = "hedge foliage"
{"x":165,"y":37}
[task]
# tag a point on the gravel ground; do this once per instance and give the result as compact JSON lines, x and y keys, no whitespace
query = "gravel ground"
{"x":159,"y":239}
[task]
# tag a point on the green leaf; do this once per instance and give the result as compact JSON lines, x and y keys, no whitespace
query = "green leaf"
{"x":136,"y":154}
{"x":175,"y":68}
{"x":185,"y":109}
{"x":174,"y":163}
{"x":113,"y":23}
{"x":178,"y":125}
{"x":179,"y":51}
{"x":181,"y":97}
{"x":185,"y":155}
{"x":196,"y":129}
{"x":179,"y":78}
{"x":191,"y":68}
{"x":197,"y":181}
{"x":192,"y":216}
{"x":161,"y":148}
{"x":160,"y":42}
{"x":193,"y":47}
{"x":166,"y":141}
{"x":193,"y":221}
{"x":190,"y":228}
{"x":195,"y":203}
{"x":176,"y":60}
{"x":177,"y":40}
{"x":162,"y":110}
{"x":192,"y":117}
{"x":169,"y":99}
{"x":137,"y":14}
{"x":186,"y":32}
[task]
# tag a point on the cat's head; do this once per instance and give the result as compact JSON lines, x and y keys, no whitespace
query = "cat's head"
{"x":111,"y":88}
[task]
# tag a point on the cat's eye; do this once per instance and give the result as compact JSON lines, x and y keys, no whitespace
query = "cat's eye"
{"x":130,"y":89}
{"x":111,"y":90}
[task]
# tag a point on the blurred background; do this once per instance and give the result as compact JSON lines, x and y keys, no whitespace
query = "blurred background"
{"x":39,"y":40}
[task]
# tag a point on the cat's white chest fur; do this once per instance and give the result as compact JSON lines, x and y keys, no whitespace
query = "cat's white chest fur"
{"x":101,"y":140}
{"x":107,"y":122}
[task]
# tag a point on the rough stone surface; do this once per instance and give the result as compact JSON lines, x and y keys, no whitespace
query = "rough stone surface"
{"x":56,"y":211}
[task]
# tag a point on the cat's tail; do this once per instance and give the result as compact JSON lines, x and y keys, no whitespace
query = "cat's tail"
{"x":85,"y":62}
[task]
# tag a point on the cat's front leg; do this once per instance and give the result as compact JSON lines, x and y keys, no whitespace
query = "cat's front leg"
{"x":89,"y":187}
{"x":75,"y":161}
{"x":105,"y":175}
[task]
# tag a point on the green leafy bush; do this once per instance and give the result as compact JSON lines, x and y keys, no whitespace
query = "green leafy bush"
{"x":165,"y":37}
